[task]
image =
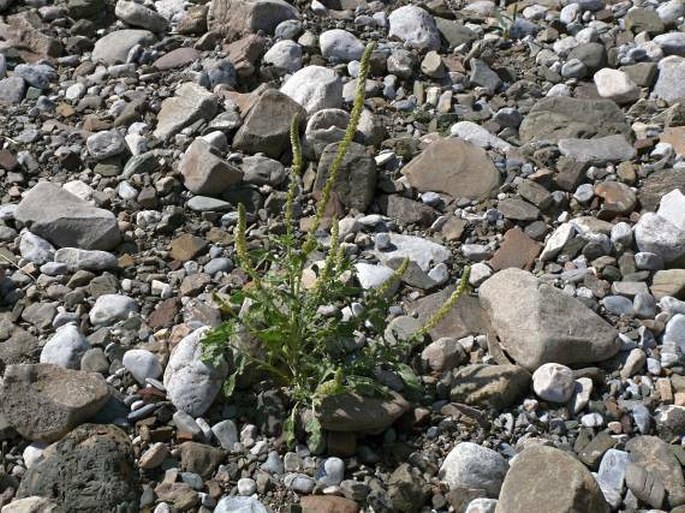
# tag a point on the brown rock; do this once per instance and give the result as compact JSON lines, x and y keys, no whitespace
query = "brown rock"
{"x":517,"y":209}
{"x":178,"y":58}
{"x":619,"y":199}
{"x":675,"y":135}
{"x":21,"y":32}
{"x":658,"y":184}
{"x":454,"y":167}
{"x":164,"y":314}
{"x":454,"y":228}
{"x":548,"y":479}
{"x":200,"y":458}
{"x":267,"y":126}
{"x":186,"y":247}
{"x":353,"y":412}
{"x":44,"y":402}
{"x":204,"y":172}
{"x":517,"y":250}
{"x":492,"y":386}
{"x":193,"y":21}
{"x":234,"y":18}
{"x":7,"y":161}
{"x":327,"y":504}
{"x":655,"y":457}
{"x":466,"y":318}
{"x":244,"y":53}
{"x":670,"y":282}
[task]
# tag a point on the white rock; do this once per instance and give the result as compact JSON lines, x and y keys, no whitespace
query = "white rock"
{"x":616,"y":85}
{"x":415,"y":27}
{"x":315,"y":88}
{"x":340,"y":45}
{"x":285,"y":56}
{"x":65,"y":348}
{"x":33,"y":453}
{"x":35,"y":249}
{"x":191,"y":383}
{"x":656,"y":234}
{"x":476,"y":134}
{"x":670,"y":84}
{"x":557,"y":241}
{"x":110,"y":308}
{"x":672,"y":208}
{"x":470,"y":465}
{"x":142,"y":364}
{"x":553,"y":382}
{"x":425,"y":253}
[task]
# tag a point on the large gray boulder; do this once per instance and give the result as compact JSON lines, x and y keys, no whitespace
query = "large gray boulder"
{"x":557,"y":118}
{"x":44,"y":402}
{"x":547,"y":479}
{"x":236,"y":18}
{"x":537,"y":323}
{"x":91,"y":469}
{"x":191,"y":103}
{"x":66,"y":220}
{"x":113,"y":48}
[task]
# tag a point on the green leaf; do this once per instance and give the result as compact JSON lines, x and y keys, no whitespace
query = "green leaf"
{"x":313,"y":429}
{"x":408,"y":376}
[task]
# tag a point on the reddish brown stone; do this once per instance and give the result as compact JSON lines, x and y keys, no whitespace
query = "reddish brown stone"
{"x":517,"y":250}
{"x":178,"y":58}
{"x":328,"y":504}
{"x":619,"y":199}
{"x":675,"y":136}
{"x":7,"y":161}
{"x":186,"y":247}
{"x":164,"y":314}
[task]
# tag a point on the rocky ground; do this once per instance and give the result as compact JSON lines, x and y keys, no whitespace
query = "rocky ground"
{"x":542,"y":142}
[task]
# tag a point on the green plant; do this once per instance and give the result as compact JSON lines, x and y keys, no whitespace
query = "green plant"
{"x":506,"y":22}
{"x":304,"y":342}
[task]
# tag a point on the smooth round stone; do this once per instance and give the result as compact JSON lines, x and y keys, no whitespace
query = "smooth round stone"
{"x":218,"y":265}
{"x":302,"y":484}
{"x":142,"y":364}
{"x":592,"y":420}
{"x":616,"y":85}
{"x":469,"y":465}
{"x":584,"y":193}
{"x":247,"y":486}
{"x":285,"y":56}
{"x":331,"y":471}
{"x":33,"y":453}
{"x":618,"y":305}
{"x":573,"y":68}
{"x":65,"y":348}
{"x":553,"y":382}
{"x":110,"y":308}
{"x":622,"y":233}
{"x":238,"y":504}
{"x":340,"y":45}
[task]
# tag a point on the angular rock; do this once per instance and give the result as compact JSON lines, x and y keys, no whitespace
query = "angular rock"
{"x":192,"y":384}
{"x":66,"y":220}
{"x":266,"y":128}
{"x":44,"y":402}
{"x":200,"y":458}
{"x":548,"y":479}
{"x":670,"y":85}
{"x":568,"y":118}
{"x":537,"y":323}
{"x":12,"y":89}
{"x":235,"y":18}
{"x":517,"y":250}
{"x":454,"y":167}
{"x":492,"y":386}
{"x":113,"y":48}
{"x":655,"y":457}
{"x":598,"y":151}
{"x":616,"y":85}
{"x":83,"y":259}
{"x":90,"y":469}
{"x":190,"y":104}
{"x":356,"y":180}
{"x":352,"y":412}
{"x":204,"y":172}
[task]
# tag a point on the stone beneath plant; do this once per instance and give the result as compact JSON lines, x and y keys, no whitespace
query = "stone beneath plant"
{"x":360,"y":414}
